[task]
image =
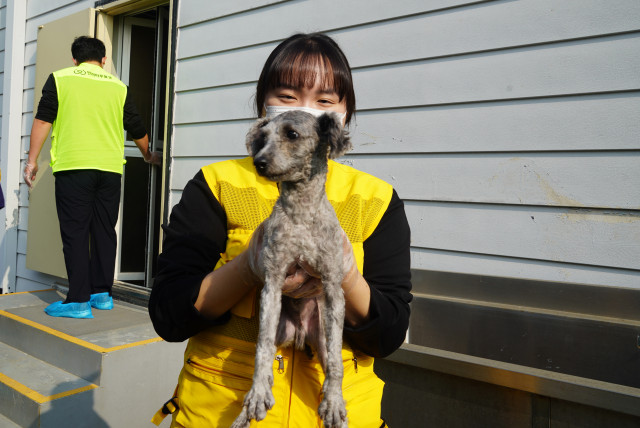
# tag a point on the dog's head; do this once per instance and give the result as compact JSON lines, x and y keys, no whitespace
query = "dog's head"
{"x":294,"y":145}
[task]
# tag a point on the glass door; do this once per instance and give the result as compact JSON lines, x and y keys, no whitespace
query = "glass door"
{"x":143,"y":59}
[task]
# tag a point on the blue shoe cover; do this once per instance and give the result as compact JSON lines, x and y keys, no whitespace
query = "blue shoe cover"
{"x":101,"y":301}
{"x":69,"y":310}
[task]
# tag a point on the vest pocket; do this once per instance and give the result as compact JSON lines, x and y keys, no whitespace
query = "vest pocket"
{"x":363,"y":394}
{"x":211,"y":392}
{"x":225,"y":373}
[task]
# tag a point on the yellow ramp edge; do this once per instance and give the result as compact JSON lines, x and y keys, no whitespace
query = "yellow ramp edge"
{"x":73,"y":339}
{"x":36,"y":396}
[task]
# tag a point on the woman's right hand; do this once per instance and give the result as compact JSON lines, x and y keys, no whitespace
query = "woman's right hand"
{"x":300,"y":281}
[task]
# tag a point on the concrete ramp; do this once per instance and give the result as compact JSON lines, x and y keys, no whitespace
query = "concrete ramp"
{"x":109,"y":371}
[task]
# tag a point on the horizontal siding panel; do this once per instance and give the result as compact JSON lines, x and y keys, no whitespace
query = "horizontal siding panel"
{"x":31,"y":31}
{"x":214,"y":104}
{"x":3,"y":15}
{"x":184,"y":169}
{"x":478,"y":264}
{"x":609,"y":64}
{"x":566,"y":180}
{"x":602,"y":122}
{"x":27,"y":100}
{"x":211,"y":139}
{"x":30,"y":78}
{"x":222,"y":69}
{"x":27,"y":121}
{"x":39,"y":7}
{"x":207,"y":10}
{"x":30,"y":53}
{"x":231,"y":32}
{"x":590,"y":237}
{"x":485,"y":27}
{"x":599,"y":180}
{"x":3,"y":32}
{"x":604,"y":65}
{"x":174,"y":198}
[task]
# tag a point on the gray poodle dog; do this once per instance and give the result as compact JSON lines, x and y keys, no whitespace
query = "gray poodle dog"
{"x":293,"y":149}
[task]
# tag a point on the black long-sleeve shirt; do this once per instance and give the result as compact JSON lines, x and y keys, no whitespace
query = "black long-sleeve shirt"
{"x":48,"y":110}
{"x":197,"y":233}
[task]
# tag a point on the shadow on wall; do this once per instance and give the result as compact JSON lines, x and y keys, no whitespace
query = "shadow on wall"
{"x":7,"y":270}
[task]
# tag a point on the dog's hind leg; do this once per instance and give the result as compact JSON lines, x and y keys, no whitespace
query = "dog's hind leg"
{"x":260,"y":399}
{"x":332,"y":409}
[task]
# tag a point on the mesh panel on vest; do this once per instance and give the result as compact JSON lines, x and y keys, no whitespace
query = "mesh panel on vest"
{"x":355,"y":226}
{"x":245,"y":208}
{"x":239,"y":328}
{"x":359,"y":205}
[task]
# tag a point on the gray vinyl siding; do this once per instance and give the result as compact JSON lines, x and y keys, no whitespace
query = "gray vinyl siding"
{"x":510,"y":128}
{"x":3,"y":27}
{"x":39,"y":13}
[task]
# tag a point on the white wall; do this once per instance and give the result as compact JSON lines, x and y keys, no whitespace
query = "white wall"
{"x":510,"y":128}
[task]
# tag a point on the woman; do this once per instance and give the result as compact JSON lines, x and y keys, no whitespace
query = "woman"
{"x":207,"y":292}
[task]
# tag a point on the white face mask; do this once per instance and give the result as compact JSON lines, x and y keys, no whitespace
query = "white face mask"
{"x":273,"y":111}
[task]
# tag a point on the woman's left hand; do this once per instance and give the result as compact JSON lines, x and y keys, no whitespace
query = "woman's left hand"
{"x":302,"y":281}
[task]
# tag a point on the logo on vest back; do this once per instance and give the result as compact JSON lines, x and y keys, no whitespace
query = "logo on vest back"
{"x":82,"y":72}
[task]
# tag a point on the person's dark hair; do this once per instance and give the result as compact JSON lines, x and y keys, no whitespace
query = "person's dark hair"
{"x":294,"y":63}
{"x":86,"y":48}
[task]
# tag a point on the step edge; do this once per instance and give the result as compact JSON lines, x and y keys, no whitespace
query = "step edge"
{"x":38,"y":397}
{"x":73,"y":339}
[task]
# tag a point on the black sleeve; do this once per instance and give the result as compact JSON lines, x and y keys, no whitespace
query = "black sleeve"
{"x":387,"y":270}
{"x":132,"y":120}
{"x":48,"y":105}
{"x":193,"y":241}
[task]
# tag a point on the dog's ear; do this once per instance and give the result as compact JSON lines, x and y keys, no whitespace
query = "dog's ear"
{"x":331,"y":130}
{"x":255,"y":136}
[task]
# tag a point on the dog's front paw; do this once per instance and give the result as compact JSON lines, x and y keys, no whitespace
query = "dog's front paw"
{"x":258,"y":401}
{"x":333,"y":412}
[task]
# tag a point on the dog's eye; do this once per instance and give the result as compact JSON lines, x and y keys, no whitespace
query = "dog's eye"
{"x":292,"y":135}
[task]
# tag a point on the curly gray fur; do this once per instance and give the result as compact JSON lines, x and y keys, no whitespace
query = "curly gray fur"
{"x":293,"y":149}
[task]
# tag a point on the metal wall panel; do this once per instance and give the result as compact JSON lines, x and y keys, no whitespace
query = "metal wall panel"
{"x":481,"y":114}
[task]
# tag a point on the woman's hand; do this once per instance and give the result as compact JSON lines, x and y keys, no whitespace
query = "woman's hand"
{"x":301,"y":280}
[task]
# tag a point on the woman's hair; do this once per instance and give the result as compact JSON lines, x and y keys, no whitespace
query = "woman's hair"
{"x":86,"y":48}
{"x":294,"y":62}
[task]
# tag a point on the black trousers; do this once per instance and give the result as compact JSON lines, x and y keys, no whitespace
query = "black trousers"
{"x":87,"y":202}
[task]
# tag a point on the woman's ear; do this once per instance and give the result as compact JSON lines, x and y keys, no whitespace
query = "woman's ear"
{"x":330,"y":129}
{"x":255,"y":136}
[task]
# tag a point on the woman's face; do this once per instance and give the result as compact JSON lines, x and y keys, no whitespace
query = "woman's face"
{"x":315,"y":97}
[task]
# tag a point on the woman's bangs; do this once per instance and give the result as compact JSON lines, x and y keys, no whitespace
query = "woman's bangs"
{"x":302,"y":71}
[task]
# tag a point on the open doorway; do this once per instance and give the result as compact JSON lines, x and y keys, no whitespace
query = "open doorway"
{"x":142,"y":50}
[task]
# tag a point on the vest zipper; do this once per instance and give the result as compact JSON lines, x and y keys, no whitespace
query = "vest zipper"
{"x":355,"y":363}
{"x":280,"y":363}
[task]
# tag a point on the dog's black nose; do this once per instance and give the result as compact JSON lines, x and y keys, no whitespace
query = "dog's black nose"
{"x":260,"y":164}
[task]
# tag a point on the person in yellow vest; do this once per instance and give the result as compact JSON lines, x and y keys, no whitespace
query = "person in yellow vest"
{"x":207,"y":292}
{"x":87,"y":108}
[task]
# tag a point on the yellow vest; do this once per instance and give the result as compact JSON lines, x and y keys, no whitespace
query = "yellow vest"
{"x":88,"y":131}
{"x":218,"y":362}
